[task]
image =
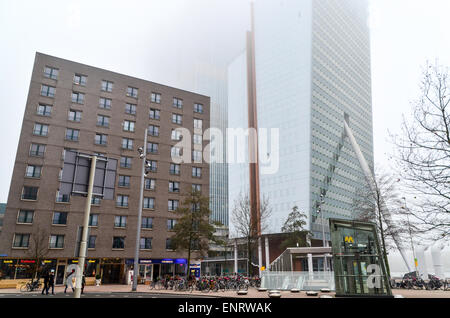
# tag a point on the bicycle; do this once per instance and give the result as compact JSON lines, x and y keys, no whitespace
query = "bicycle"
{"x":31,"y":286}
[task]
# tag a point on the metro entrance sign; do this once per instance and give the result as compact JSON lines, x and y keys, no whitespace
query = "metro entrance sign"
{"x":75,"y":175}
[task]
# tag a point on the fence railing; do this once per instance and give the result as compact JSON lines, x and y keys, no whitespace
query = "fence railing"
{"x":297,"y":280}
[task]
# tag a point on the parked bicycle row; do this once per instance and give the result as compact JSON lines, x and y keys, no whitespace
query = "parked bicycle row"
{"x":411,"y":281}
{"x":206,"y":283}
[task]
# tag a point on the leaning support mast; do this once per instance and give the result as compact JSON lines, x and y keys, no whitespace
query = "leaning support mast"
{"x":370,"y":179}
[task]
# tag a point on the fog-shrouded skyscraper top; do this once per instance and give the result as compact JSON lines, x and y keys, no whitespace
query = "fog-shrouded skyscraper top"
{"x":312,"y":69}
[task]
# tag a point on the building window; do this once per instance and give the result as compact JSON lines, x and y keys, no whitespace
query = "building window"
{"x":196,"y":172}
{"x":176,"y":135}
{"x":79,"y":79}
{"x":72,"y":134}
{"x":154,"y":114}
{"x":198,"y":139}
{"x":102,"y":121}
{"x":153,"y":130}
{"x":47,"y":91}
{"x":44,"y":110}
{"x":130,"y":109}
{"x":105,"y":103}
{"x":174,"y":186}
{"x":197,"y":156}
{"x":171,"y":224}
{"x":25,"y":217}
{"x":178,"y":103}
{"x":59,"y":218}
{"x":177,"y":119}
{"x":132,"y":92}
{"x":147,"y":223}
{"x":120,"y":221}
{"x":150,"y":184}
{"x":21,"y":240}
{"x":153,"y":165}
{"x":77,"y":98}
{"x":37,"y":150}
{"x":125,"y":162}
{"x":33,"y":171}
{"x":174,"y":169}
{"x":149,"y":203}
{"x":51,"y":72}
{"x":152,"y":147}
{"x":91,"y":241}
{"x":74,"y":115}
{"x":197,"y":187}
{"x":128,"y":125}
{"x":175,"y":152}
{"x":122,"y":200}
{"x":169,"y":245}
{"x":124,"y":181}
{"x":62,"y":198}
{"x":96,"y":200}
{"x":173,"y":205}
{"x":118,"y":242}
{"x":101,"y":139}
{"x":146,"y":243}
{"x":198,"y":108}
{"x":56,"y":241}
{"x":127,"y":143}
{"x":93,"y":220}
{"x":107,"y":86}
{"x":198,"y":123}
{"x":40,"y":129}
{"x":30,"y":193}
{"x":156,"y":98}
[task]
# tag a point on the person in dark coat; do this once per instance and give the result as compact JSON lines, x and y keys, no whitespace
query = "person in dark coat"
{"x":51,"y":281}
{"x":83,"y":282}
{"x":45,"y":276}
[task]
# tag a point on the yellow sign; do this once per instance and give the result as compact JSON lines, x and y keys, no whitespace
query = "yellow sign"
{"x":263,"y":268}
{"x":349,"y":239}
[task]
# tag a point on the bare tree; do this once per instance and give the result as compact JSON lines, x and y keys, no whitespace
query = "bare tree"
{"x":38,"y":248}
{"x":244,"y":227}
{"x":424,"y":153}
{"x":370,"y":205}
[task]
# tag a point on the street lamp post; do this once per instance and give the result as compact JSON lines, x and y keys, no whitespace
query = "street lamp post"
{"x":410,"y":237}
{"x":142,"y":155}
{"x":325,"y":265}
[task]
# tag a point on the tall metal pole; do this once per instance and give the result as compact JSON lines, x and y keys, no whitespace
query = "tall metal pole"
{"x":138,"y":231}
{"x":325,"y":265}
{"x":83,"y":245}
{"x":410,"y":237}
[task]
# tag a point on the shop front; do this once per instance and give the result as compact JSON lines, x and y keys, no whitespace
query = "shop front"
{"x":112,"y":270}
{"x":153,"y":269}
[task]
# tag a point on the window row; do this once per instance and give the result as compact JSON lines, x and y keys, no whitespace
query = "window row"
{"x":106,"y":86}
{"x":58,"y":242}
{"x":60,"y":218}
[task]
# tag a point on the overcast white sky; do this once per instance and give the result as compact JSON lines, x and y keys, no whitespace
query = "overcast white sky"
{"x":142,"y":39}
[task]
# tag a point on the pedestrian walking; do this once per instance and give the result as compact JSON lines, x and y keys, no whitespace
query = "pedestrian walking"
{"x":69,"y":281}
{"x":46,"y":277}
{"x":51,"y":281}
{"x":83,"y":282}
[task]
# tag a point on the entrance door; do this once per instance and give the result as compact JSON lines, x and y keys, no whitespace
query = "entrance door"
{"x":111,"y":274}
{"x":156,"y":269}
{"x":60,"y":274}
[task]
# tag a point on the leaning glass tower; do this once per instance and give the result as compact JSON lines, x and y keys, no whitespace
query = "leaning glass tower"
{"x":312,"y":69}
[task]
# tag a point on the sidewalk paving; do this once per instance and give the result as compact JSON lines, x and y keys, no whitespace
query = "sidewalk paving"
{"x":252,"y":292}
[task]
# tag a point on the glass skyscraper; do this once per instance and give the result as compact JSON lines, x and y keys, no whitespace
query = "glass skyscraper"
{"x":312,"y":69}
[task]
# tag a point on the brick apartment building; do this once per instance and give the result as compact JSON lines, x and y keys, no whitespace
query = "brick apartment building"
{"x":73,"y":106}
